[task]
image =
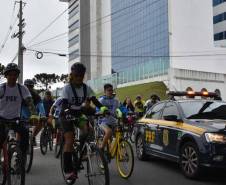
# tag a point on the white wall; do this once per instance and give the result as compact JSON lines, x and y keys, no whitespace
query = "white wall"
{"x":191,"y":33}
{"x":106,"y":37}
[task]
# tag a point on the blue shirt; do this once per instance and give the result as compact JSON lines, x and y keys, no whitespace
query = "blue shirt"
{"x":25,"y":113}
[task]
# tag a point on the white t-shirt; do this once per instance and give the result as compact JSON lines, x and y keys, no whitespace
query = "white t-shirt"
{"x":75,"y":102}
{"x":10,"y":103}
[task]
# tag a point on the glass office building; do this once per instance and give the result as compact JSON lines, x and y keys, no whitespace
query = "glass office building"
{"x":219,"y":19}
{"x":139,"y":33}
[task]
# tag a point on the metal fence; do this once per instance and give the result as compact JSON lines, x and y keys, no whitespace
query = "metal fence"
{"x":147,"y":70}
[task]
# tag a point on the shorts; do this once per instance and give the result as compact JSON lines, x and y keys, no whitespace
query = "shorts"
{"x":68,"y":126}
{"x":57,"y":123}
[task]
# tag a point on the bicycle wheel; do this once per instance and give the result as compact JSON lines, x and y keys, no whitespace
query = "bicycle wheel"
{"x":43,"y":142}
{"x":97,"y":168}
{"x":125,"y":159}
{"x":58,"y":146}
{"x":3,"y":170}
{"x":16,"y":166}
{"x":50,"y":139}
{"x":30,"y":154}
{"x":132,"y":135}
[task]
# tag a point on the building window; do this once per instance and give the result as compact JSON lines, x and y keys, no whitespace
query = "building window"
{"x":74,"y":40}
{"x":217,"y":2}
{"x":219,"y":18}
{"x":74,"y":26}
{"x":220,"y":36}
{"x":74,"y":55}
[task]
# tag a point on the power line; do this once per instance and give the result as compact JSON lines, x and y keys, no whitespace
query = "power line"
{"x":97,"y":20}
{"x":12,"y":24}
{"x":46,"y":28}
{"x":50,"y":39}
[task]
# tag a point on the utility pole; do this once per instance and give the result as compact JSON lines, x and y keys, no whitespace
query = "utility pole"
{"x":20,"y":37}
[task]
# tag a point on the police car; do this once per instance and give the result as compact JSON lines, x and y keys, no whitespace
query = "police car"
{"x":191,"y":132}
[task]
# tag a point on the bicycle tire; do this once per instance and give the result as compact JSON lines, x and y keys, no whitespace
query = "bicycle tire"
{"x":122,"y":173}
{"x":43,"y":142}
{"x":132,"y":135}
{"x":50,"y":140}
{"x":58,"y":148}
{"x":14,"y":150}
{"x":29,"y":160}
{"x":62,"y":170}
{"x":102,"y":166}
{"x":3,"y":170}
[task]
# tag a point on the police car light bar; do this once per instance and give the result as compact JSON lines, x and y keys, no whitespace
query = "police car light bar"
{"x":192,"y":93}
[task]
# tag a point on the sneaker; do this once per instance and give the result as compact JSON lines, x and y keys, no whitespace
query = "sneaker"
{"x":71,"y":176}
{"x":34,"y":141}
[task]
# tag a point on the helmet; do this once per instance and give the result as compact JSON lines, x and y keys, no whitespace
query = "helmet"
{"x":11,"y":67}
{"x":155,"y":97}
{"x":29,"y":82}
{"x":78,"y":68}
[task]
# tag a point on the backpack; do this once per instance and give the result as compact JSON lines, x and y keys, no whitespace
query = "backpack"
{"x":84,"y":91}
{"x":19,"y":88}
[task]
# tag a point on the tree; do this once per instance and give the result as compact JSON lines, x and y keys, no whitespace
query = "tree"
{"x":45,"y":80}
{"x":2,"y":67}
{"x":64,"y":78}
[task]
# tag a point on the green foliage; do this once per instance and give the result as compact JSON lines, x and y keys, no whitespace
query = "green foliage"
{"x":2,"y":67}
{"x":45,"y":80}
{"x":64,"y":78}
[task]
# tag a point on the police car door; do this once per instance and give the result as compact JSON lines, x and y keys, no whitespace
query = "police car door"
{"x":169,"y":128}
{"x":152,"y":118}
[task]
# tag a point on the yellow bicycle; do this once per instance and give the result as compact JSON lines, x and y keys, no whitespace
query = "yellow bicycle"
{"x":118,"y":147}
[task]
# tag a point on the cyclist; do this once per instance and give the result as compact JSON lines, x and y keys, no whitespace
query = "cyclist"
{"x":74,"y":95}
{"x":54,"y":113}
{"x":152,"y":101}
{"x":48,"y":102}
{"x":38,"y":105}
{"x":139,"y":106}
{"x":112,"y":105}
{"x":12,"y":96}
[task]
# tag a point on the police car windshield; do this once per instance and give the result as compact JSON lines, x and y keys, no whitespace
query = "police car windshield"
{"x":204,"y":110}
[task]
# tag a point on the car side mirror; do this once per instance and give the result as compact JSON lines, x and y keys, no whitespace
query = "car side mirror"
{"x":171,"y":118}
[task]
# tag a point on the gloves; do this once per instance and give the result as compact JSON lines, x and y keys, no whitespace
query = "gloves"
{"x":103,"y":109}
{"x":118,"y":113}
{"x":35,"y":117}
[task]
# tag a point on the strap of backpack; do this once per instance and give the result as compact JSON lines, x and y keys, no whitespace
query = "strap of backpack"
{"x":85,"y":91}
{"x":74,"y":91}
{"x":20,"y":91}
{"x":4,"y":89}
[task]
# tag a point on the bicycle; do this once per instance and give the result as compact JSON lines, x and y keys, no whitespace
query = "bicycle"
{"x":46,"y":138}
{"x":118,"y":148}
{"x":96,"y":165}
{"x":12,"y":163}
{"x":30,"y":151}
{"x":129,"y":125}
{"x":59,"y":142}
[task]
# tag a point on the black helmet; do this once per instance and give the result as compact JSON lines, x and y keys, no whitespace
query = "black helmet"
{"x":78,"y":68}
{"x":29,"y":82}
{"x":11,"y":67}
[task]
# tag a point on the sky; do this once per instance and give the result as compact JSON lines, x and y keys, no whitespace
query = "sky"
{"x":38,"y":14}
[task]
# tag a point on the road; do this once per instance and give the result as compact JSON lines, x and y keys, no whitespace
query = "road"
{"x":46,"y":171}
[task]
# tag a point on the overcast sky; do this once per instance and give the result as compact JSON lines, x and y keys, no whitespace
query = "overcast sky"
{"x":38,"y":14}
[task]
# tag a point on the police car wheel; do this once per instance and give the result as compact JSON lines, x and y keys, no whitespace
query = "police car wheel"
{"x":189,"y":160}
{"x":140,"y":150}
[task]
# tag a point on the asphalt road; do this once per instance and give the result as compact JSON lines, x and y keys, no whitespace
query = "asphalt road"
{"x":46,"y":171}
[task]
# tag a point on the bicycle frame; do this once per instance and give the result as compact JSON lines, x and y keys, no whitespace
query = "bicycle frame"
{"x":116,"y":143}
